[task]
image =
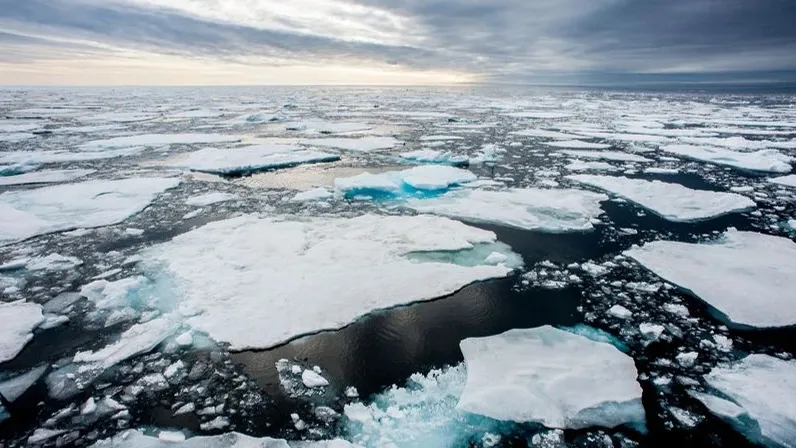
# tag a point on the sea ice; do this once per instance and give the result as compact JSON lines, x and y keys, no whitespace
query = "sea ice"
{"x":543,"y":133}
{"x":140,"y":338}
{"x":117,"y":294}
{"x":97,"y":203}
{"x":788,"y":181}
{"x":671,"y":201}
{"x":290,"y":259}
{"x":362,"y":144}
{"x":434,"y":156}
{"x":758,"y":403}
{"x":553,"y":377}
{"x":764,"y":160}
{"x":654,"y":170}
{"x":17,"y":321}
{"x":52,"y":262}
{"x":158,"y":140}
{"x":203,"y":200}
{"x":531,"y":209}
{"x":137,"y":439}
{"x":45,"y":177}
{"x":312,"y":379}
{"x":748,"y":277}
{"x":590,"y":166}
{"x":315,"y":194}
{"x":614,"y":156}
{"x":251,"y":159}
{"x":44,"y":157}
{"x":327,"y":127}
{"x":578,"y":144}
{"x":13,"y":388}
{"x":426,"y":177}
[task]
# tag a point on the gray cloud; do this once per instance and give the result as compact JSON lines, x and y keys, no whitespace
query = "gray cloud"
{"x":501,"y":39}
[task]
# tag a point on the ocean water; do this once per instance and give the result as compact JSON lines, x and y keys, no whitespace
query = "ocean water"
{"x":387,"y":346}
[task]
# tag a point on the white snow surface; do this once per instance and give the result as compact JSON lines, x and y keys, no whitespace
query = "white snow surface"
{"x":97,"y":203}
{"x":203,"y":200}
{"x":362,"y":144}
{"x":17,"y":321}
{"x":425,"y":177}
{"x":251,"y":158}
{"x":361,"y":262}
{"x":763,"y":386}
{"x":788,"y":181}
{"x":615,"y":156}
{"x":530,"y":209}
{"x":552,"y":377}
{"x":766,"y":160}
{"x":671,"y":201}
{"x":158,"y":140}
{"x":746,"y":276}
{"x":45,"y":177}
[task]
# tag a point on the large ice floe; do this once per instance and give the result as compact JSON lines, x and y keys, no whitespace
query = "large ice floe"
{"x":265,"y":290}
{"x":671,"y":201}
{"x":251,"y":159}
{"x":24,"y":214}
{"x":17,"y":322}
{"x":530,"y":209}
{"x":755,"y":395}
{"x":45,"y":157}
{"x":606,"y":155}
{"x":168,"y":439}
{"x":158,"y":140}
{"x":552,"y":377}
{"x":767,"y":160}
{"x":747,"y":277}
{"x":417,"y":180}
{"x":788,"y":181}
{"x":45,"y":177}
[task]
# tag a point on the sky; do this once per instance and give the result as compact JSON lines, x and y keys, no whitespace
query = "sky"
{"x":400,"y":42}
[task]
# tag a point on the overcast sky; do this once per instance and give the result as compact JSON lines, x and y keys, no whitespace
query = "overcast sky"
{"x":391,"y":41}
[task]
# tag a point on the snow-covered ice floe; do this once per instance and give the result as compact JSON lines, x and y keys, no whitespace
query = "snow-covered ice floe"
{"x":755,"y":395}
{"x":767,"y":160}
{"x":45,"y":177}
{"x":138,"y":439}
{"x":206,"y":199}
{"x":326,"y":127}
{"x":363,"y":264}
{"x":26,"y":158}
{"x":434,"y":156}
{"x":615,"y":156}
{"x":671,"y":201}
{"x":552,"y":377}
{"x":362,"y":144}
{"x":427,"y":178}
{"x":17,"y":322}
{"x":97,"y":203}
{"x":578,"y":144}
{"x":158,"y":140}
{"x":747,"y":277}
{"x":788,"y":181}
{"x":530,"y":209}
{"x":251,"y":159}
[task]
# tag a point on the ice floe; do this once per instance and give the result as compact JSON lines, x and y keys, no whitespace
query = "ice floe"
{"x":756,"y":398}
{"x":138,"y":439}
{"x":46,"y":157}
{"x":530,"y":209}
{"x":748,"y":277}
{"x":434,"y":156}
{"x":158,"y":140}
{"x":45,"y":177}
{"x":606,"y":155}
{"x":362,"y":144}
{"x":763,"y":160}
{"x":788,"y":181}
{"x":590,"y":166}
{"x":406,"y":182}
{"x":24,"y":214}
{"x":17,"y":322}
{"x":543,"y":133}
{"x":251,"y":159}
{"x":327,"y":127}
{"x":290,"y":258}
{"x":140,"y":338}
{"x":552,"y":377}
{"x":13,"y":388}
{"x":316,"y":194}
{"x":578,"y":144}
{"x":203,"y":200}
{"x":671,"y":201}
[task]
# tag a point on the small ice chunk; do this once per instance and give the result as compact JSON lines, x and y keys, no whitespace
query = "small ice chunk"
{"x":17,"y":321}
{"x":13,"y":388}
{"x":727,"y":272}
{"x":613,"y":156}
{"x":117,"y":294}
{"x":687,"y":359}
{"x":184,"y":339}
{"x":313,"y":380}
{"x":53,"y":262}
{"x":88,"y":407}
{"x":351,"y":392}
{"x":651,"y":331}
{"x":620,"y":312}
{"x":206,"y":199}
{"x":578,"y":144}
{"x":172,"y":369}
{"x":434,"y":156}
{"x":216,"y":424}
{"x":43,"y":434}
{"x":553,"y":377}
{"x":171,"y":436}
{"x":496,"y":258}
{"x":140,"y":338}
{"x":315,"y":194}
